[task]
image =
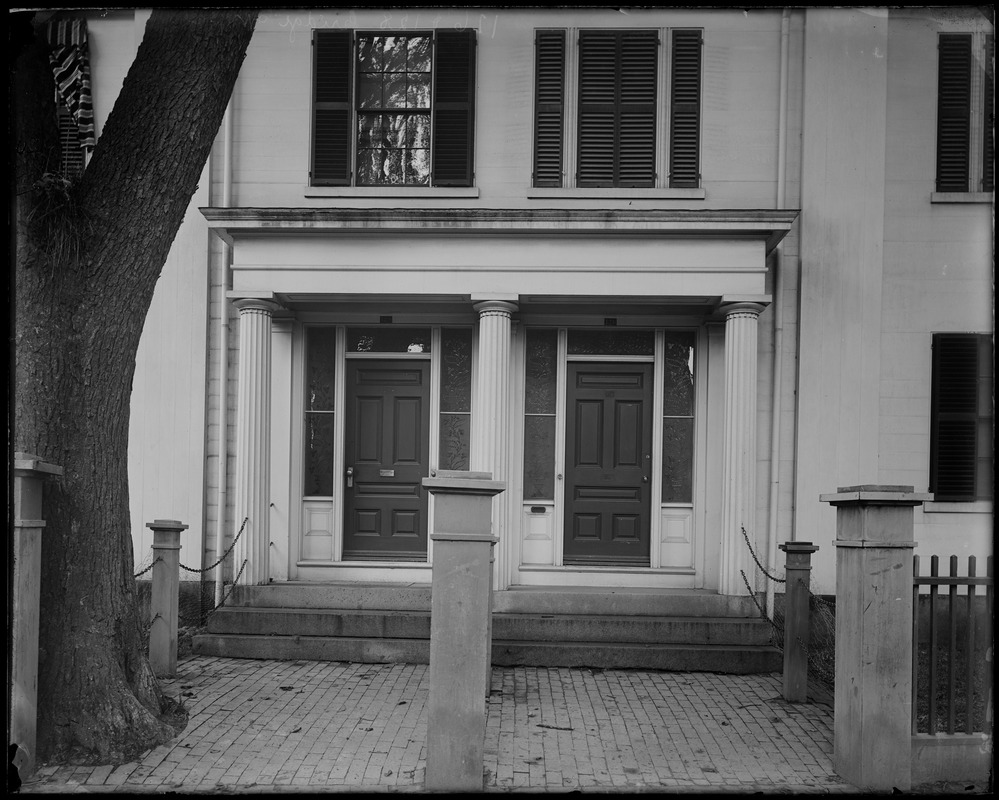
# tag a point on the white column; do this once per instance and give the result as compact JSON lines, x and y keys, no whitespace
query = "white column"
{"x":739,"y":451}
{"x":252,"y":481}
{"x":490,"y":441}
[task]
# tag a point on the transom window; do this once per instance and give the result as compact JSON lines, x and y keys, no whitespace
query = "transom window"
{"x":393,"y":110}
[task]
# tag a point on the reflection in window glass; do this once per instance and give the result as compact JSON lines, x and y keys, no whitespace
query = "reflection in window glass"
{"x":388,"y":340}
{"x":393,"y":99}
{"x":678,"y":417}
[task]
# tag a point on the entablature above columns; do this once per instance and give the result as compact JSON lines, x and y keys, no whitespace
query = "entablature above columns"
{"x":585,"y":254}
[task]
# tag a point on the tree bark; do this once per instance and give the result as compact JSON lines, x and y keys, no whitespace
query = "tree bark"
{"x":88,"y":257}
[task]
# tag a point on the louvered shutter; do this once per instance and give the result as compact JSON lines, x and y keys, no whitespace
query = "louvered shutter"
{"x":685,"y":110}
{"x":454,"y":108}
{"x":616,"y":143}
{"x":953,"y":112}
{"x":331,"y":107}
{"x":549,"y":107}
{"x":988,"y":149}
{"x":954,"y":425}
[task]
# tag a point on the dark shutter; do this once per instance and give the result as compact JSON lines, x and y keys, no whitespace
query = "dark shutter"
{"x":331,"y":107}
{"x":454,"y":108}
{"x":989,"y":150}
{"x":953,"y":112}
{"x":685,"y":110}
{"x":617,"y":108}
{"x":549,"y":107}
{"x":959,"y":414}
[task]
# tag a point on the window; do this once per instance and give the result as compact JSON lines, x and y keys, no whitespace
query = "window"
{"x":611,"y":134}
{"x":961,"y":443}
{"x":393,"y":110}
{"x":965,"y":110}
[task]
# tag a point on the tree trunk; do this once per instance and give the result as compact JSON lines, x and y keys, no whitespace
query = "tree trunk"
{"x":88,"y":258}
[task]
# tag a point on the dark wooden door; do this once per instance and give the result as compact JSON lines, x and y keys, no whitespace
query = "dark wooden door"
{"x":386,"y":456}
{"x":608,"y":464}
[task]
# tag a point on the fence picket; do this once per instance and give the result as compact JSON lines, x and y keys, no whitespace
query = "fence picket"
{"x":934,"y":572}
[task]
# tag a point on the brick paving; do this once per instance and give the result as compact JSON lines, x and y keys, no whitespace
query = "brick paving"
{"x":308,"y":726}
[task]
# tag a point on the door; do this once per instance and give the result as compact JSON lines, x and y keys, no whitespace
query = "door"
{"x":608,"y":464}
{"x":386,"y":457}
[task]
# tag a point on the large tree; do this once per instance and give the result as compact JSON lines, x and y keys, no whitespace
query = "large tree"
{"x":88,"y":255}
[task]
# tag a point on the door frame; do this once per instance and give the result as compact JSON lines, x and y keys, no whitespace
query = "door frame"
{"x":561,"y":500}
{"x":336,"y":568}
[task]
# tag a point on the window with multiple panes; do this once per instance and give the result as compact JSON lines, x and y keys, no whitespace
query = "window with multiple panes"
{"x":965,"y":111}
{"x":961,"y":440}
{"x":393,"y":110}
{"x":611,"y":127}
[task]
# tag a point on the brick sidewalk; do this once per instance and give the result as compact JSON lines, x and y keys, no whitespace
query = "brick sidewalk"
{"x":279,"y":726}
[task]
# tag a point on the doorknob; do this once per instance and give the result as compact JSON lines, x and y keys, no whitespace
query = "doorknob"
{"x":350,"y":477}
{"x":645,"y":479}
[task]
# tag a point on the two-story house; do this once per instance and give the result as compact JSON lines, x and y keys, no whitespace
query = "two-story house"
{"x":670,"y":274}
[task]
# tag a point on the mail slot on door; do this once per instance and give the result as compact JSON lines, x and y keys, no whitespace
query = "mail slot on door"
{"x":386,"y":473}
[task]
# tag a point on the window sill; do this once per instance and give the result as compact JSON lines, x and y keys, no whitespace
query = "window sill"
{"x":391,"y":191}
{"x":971,"y":507}
{"x":622,"y":194}
{"x":962,"y":197}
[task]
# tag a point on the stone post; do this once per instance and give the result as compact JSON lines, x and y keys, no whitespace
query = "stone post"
{"x":872,"y":738}
{"x":25,"y":575}
{"x":739,"y":441}
{"x":797,"y":572}
{"x":459,"y":628}
{"x":165,"y":593}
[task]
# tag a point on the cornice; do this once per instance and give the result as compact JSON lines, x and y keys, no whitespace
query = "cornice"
{"x":232,"y":224}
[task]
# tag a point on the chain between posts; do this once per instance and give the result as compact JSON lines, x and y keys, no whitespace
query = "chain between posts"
{"x":204,"y":569}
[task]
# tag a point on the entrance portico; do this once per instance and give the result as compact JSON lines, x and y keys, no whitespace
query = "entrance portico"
{"x":672,"y":277}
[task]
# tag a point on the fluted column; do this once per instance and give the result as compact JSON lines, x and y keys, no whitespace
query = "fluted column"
{"x":490,"y":442}
{"x":253,"y":411}
{"x":739,"y":452}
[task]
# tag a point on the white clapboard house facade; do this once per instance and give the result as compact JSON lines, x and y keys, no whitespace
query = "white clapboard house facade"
{"x":670,"y":274}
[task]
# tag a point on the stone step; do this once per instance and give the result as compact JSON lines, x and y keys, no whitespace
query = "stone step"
{"x":732,"y":659}
{"x":579,"y":600}
{"x":530,"y":627}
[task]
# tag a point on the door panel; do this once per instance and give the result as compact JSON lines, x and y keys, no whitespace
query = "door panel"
{"x":387,"y":448}
{"x":608,"y":464}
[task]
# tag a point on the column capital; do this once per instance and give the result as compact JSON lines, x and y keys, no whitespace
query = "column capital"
{"x":496,"y":307}
{"x":743,"y":308}
{"x":256,"y":304}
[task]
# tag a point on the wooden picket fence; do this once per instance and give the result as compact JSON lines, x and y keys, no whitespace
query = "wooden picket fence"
{"x":952,"y":649}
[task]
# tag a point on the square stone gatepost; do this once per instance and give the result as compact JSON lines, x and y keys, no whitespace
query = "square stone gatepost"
{"x":872,"y":738}
{"x":797,"y":633}
{"x":460,"y":628}
{"x":25,"y":575}
{"x":165,"y":596}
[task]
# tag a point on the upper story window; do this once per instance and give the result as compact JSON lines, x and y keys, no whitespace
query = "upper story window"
{"x":393,"y":110}
{"x":965,"y":111}
{"x":961,"y":417}
{"x":601,"y":107}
